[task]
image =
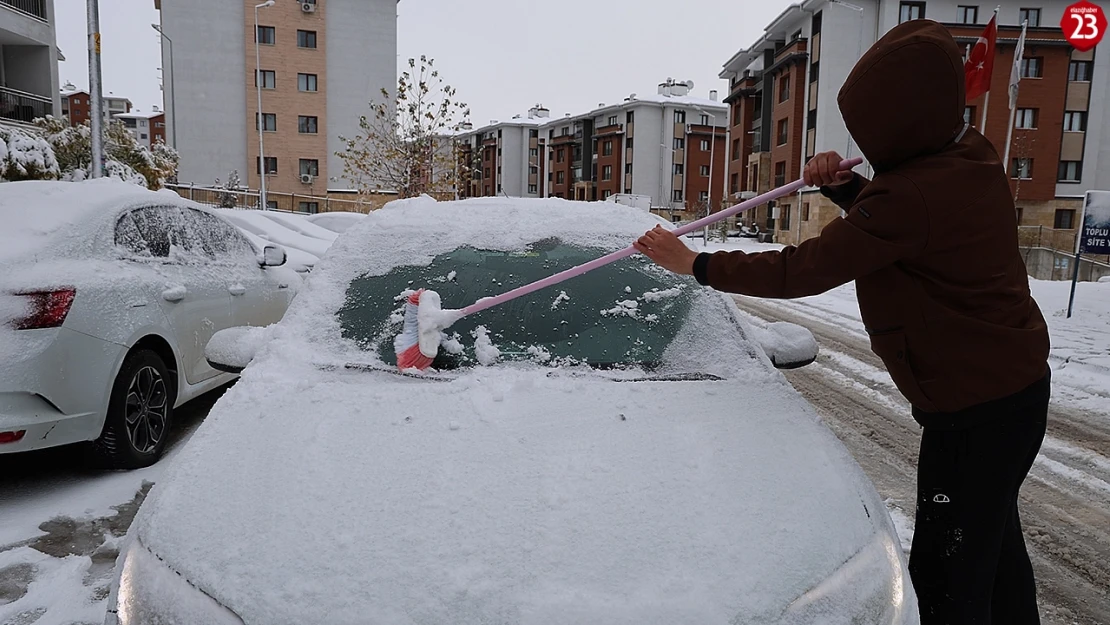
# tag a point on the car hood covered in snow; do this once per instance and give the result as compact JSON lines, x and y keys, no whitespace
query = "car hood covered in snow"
{"x":513,"y":493}
{"x":509,"y":494}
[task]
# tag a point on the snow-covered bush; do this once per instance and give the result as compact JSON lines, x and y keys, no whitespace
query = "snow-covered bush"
{"x":125,"y":158}
{"x":25,"y":156}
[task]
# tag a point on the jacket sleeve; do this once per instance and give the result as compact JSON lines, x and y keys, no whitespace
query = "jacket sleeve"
{"x":845,"y":195}
{"x":886,"y":223}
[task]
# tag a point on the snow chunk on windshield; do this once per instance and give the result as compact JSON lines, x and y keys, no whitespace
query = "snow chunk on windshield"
{"x":562,"y":297}
{"x":627,"y":307}
{"x":656,"y":295}
{"x":483,"y":347}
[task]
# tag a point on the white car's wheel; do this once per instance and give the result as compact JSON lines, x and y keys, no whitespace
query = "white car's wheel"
{"x":140,"y":412}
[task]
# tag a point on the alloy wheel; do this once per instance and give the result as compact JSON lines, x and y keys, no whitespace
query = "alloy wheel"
{"x":146,"y":410}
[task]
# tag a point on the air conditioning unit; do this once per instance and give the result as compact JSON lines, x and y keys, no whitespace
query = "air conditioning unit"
{"x":746,"y":195}
{"x":308,"y":7}
{"x":307,"y":178}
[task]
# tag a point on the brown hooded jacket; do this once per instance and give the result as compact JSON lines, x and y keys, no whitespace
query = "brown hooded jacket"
{"x":931,"y":241}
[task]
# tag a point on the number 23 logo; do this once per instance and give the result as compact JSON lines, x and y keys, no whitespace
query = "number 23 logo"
{"x":1086,"y":26}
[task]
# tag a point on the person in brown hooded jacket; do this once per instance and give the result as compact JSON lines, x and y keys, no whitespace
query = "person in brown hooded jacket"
{"x":931,"y":243}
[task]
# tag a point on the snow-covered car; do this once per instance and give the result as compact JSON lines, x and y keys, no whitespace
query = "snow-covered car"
{"x":108,"y":296}
{"x":616,"y":449}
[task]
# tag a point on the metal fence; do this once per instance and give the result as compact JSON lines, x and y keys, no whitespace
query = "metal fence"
{"x":23,"y":107}
{"x":290,"y":202}
{"x":36,"y":8}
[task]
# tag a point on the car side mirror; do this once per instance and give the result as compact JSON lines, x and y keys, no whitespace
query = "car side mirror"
{"x":230,"y":350}
{"x":273,"y":256}
{"x":788,"y":345}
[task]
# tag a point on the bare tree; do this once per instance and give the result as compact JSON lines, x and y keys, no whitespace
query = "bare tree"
{"x":406,"y":144}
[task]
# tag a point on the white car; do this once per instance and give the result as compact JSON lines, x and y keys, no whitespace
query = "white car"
{"x":108,"y":296}
{"x":616,"y":449}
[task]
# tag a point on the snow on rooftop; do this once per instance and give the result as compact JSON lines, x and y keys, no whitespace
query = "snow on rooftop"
{"x":139,"y":114}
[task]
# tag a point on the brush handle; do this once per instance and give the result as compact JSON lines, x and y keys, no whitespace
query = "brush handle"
{"x":489,"y":302}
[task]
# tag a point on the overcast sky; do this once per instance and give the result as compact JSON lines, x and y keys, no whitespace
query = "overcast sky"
{"x":503,"y":56}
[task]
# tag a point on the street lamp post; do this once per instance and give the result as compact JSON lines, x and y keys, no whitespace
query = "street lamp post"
{"x":173,"y":92}
{"x":258,"y":88}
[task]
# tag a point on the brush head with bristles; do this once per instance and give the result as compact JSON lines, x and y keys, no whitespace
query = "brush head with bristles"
{"x":407,"y":345}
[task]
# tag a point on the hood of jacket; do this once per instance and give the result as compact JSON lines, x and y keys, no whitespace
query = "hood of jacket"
{"x":905,"y":97}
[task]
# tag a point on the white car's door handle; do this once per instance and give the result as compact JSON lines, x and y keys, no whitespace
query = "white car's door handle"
{"x":174,"y":294}
{"x":237,"y":289}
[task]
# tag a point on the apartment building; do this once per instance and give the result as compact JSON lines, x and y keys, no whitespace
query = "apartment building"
{"x":504,"y":158}
{"x":783,"y":88}
{"x":147,"y":128}
{"x":28,"y":61}
{"x":669,"y":146}
{"x":321,"y":63}
{"x":77,"y":105}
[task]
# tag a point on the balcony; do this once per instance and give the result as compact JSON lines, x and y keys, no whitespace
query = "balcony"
{"x":34,"y":8}
{"x":20,"y":106}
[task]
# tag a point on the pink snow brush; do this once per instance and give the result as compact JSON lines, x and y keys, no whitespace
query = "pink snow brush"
{"x":425,"y":320}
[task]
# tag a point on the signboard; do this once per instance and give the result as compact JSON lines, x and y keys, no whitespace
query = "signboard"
{"x":1084,"y":24}
{"x":1094,"y":231}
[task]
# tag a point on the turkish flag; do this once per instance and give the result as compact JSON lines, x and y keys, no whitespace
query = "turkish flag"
{"x":980,"y":63}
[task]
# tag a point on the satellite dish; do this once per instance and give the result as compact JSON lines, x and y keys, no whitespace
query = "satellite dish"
{"x":690,"y":84}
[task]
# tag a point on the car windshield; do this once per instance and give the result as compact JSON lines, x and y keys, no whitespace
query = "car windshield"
{"x":626,"y":313}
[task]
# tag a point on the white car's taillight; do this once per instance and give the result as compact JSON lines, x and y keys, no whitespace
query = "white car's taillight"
{"x":45,"y":309}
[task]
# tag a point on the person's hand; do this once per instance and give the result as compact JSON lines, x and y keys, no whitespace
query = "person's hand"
{"x":823,"y":170}
{"x":667,"y":250}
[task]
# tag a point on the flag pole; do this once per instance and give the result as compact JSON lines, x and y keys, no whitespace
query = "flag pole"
{"x":1019,"y":52}
{"x":987,"y":97}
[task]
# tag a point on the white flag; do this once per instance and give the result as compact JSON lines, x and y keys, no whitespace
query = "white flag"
{"x":1015,"y":72}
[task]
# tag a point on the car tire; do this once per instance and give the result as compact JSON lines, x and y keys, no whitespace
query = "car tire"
{"x":140,"y":413}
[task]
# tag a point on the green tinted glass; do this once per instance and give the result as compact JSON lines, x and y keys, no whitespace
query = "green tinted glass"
{"x":624,"y":313}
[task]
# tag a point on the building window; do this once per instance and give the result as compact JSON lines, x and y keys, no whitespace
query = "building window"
{"x":269,"y":78}
{"x":486,"y":173}
{"x":306,"y":82}
{"x":269,"y":122}
{"x":560,"y":177}
{"x":805,"y":211}
{"x":1026,"y":119}
{"x":967,"y":15}
{"x":565,"y":132}
{"x":784,"y":217}
{"x":910,"y":11}
{"x":532,"y":189}
{"x":306,"y":39}
{"x":704,"y":120}
{"x":533,"y":152}
{"x":703,"y":197}
{"x":1022,"y":168}
{"x":705,"y":171}
{"x":705,"y":145}
{"x":308,"y":207}
{"x":680,"y":117}
{"x":678,"y":169}
{"x":630,"y":116}
{"x":677,"y":195}
{"x":1020,"y":214}
{"x":784,"y":88}
{"x":735,"y":149}
{"x":612,"y":120}
{"x":1070,"y":171}
{"x":267,"y":35}
{"x":560,"y":155}
{"x":814,"y":71}
{"x":969,"y":115}
{"x":780,"y":173}
{"x":679,"y":143}
{"x":1032,"y":67}
{"x":271,"y":165}
{"x":784,"y":131}
{"x":628,"y":169}
{"x":310,"y":166}
{"x":142,"y":135}
{"x":605,"y":195}
{"x":734,"y":183}
{"x":1079,"y":71}
{"x":1033,"y":15}
{"x":534,"y":134}
{"x":142,"y":123}
{"x":607,"y":172}
{"x":307,"y":124}
{"x":607,"y":148}
{"x":1065,"y":219}
{"x":1075,"y":121}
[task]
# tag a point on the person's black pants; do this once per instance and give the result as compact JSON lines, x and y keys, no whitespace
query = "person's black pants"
{"x":968,"y":561}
